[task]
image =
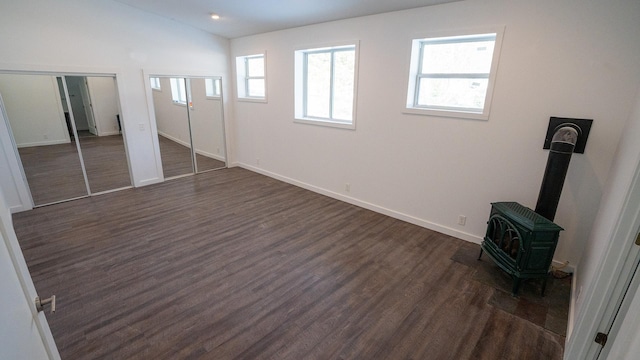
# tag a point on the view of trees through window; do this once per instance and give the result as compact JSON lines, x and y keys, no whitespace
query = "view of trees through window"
{"x":329,"y":83}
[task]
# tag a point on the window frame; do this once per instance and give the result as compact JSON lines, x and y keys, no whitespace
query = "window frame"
{"x":301,"y":82}
{"x":416,"y":73}
{"x":243,"y":77}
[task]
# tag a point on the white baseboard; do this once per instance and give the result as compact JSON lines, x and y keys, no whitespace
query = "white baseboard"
{"x":43,"y":143}
{"x":369,"y":206}
{"x":210,"y":155}
{"x":151,"y":181}
{"x":109,"y":133}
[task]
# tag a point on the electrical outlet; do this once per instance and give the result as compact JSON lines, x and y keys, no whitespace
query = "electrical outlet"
{"x":462,"y":220}
{"x":218,"y":150}
{"x":141,"y":127}
{"x":46,"y":136}
{"x":257,"y":161}
{"x":347,"y":187}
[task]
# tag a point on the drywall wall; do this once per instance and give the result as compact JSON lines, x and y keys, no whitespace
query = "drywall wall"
{"x":108,"y":37}
{"x":609,"y":243}
{"x":34,"y":109}
{"x":558,"y":58}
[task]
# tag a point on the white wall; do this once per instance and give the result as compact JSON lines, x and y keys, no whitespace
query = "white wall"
{"x":559,"y":58}
{"x":608,"y":245}
{"x":108,"y":37}
{"x":34,"y":108}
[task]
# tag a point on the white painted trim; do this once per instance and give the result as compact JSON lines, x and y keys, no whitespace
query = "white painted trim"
{"x":174,"y":139}
{"x":26,"y":283}
{"x":151,"y":181}
{"x":369,"y":206}
{"x":44,"y":143}
{"x":210,"y":155}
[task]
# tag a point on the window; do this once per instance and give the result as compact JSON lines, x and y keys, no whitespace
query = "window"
{"x":155,"y":83}
{"x":453,"y":76}
{"x":212,"y":88}
{"x":178,"y":89}
{"x":326,"y":85}
{"x":251,"y":77}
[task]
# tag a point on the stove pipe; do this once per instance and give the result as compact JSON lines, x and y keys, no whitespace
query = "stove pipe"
{"x":562,"y":145}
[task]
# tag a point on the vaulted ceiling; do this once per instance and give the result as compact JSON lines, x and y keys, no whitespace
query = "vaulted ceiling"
{"x":247,"y":17}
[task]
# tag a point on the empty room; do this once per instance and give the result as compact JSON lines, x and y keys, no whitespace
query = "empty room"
{"x":432,"y":179}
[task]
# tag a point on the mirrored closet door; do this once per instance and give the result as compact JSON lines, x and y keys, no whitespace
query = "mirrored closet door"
{"x":67,"y":134}
{"x":189,"y":119}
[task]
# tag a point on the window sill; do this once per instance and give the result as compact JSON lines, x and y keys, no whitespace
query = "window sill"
{"x":446,"y":113}
{"x":327,"y":123}
{"x":253,"y":100}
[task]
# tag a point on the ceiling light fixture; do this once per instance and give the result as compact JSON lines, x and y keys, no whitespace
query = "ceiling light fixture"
{"x":215,"y":16}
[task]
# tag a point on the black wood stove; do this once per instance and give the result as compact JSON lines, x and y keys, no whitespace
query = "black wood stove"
{"x":520,"y":242}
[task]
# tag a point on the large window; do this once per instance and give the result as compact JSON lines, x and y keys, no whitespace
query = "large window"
{"x":251,"y":77}
{"x":454,"y":75}
{"x":325,"y":85}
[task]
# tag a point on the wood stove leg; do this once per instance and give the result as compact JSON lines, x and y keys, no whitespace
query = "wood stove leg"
{"x":516,"y":285}
{"x":544,"y":284}
{"x":479,"y":256}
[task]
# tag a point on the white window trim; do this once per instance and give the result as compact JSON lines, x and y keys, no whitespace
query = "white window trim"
{"x":299,"y":86}
{"x":241,"y":79}
{"x":414,"y":64}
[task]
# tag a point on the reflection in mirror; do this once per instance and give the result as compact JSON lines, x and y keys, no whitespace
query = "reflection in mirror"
{"x":96,"y":113}
{"x":181,"y":128}
{"x":207,"y":124}
{"x":172,"y":121}
{"x":42,"y":131}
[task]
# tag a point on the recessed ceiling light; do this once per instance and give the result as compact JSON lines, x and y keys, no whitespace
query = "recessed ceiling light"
{"x":215,"y":16}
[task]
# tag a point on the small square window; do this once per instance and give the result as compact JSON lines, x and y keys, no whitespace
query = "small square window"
{"x":453,"y":75}
{"x":251,"y":77}
{"x":326,"y":85}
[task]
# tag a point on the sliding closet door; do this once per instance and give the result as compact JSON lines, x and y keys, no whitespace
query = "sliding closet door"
{"x":207,"y":123}
{"x":172,"y":121}
{"x":101,"y":139}
{"x":43,"y":132}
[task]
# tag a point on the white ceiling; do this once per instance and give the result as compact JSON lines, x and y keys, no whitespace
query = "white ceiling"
{"x":248,"y":17}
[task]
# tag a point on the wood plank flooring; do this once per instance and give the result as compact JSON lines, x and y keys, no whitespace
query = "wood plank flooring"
{"x":234,"y":265}
{"x":176,"y":159}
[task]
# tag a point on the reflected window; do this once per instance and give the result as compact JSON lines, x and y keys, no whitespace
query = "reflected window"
{"x":155,"y":83}
{"x":212,"y":88}
{"x":178,"y":91}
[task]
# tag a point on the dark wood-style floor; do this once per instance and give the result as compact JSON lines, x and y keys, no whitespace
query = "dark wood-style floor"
{"x":54,"y":172}
{"x":234,"y":265}
{"x":176,"y":159}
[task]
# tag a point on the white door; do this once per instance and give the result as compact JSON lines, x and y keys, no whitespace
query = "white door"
{"x":24,"y":333}
{"x":88,"y":106}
